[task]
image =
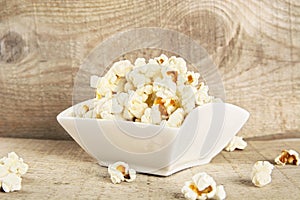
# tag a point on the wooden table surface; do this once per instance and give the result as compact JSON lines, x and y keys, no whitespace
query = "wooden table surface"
{"x":60,"y":169}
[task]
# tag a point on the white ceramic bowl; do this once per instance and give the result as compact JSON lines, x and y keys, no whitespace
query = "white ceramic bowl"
{"x":154,"y":149}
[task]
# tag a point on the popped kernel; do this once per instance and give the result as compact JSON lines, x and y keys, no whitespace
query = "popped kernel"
{"x":288,"y":157}
{"x":203,"y":186}
{"x":236,"y":143}
{"x":261,"y":173}
{"x":120,"y":171}
{"x":12,"y":168}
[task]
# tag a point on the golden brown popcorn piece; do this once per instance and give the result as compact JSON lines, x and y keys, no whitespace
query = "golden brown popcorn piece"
{"x":288,"y":157}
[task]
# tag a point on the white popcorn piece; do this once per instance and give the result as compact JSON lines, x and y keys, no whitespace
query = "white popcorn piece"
{"x":136,"y":105}
{"x":11,"y":182}
{"x":139,"y":62}
{"x":176,"y":118}
{"x":162,"y":59}
{"x":137,"y":77}
{"x":11,"y":169}
{"x":261,"y":173}
{"x":120,"y":171}
{"x":178,"y":64}
{"x":187,"y":96}
{"x":202,"y":96}
{"x":192,"y":78}
{"x":203,"y":186}
{"x":288,"y":157}
{"x":236,"y":143}
{"x":121,"y":68}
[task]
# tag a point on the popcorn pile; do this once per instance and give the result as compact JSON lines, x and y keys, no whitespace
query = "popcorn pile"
{"x":203,"y":186}
{"x":161,"y":89}
{"x":11,"y":169}
{"x":120,"y":171}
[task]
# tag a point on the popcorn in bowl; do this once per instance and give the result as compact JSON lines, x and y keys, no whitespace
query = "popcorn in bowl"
{"x":144,"y":111}
{"x":162,"y":90}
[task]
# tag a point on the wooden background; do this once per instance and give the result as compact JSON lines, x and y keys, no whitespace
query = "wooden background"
{"x":255,"y":44}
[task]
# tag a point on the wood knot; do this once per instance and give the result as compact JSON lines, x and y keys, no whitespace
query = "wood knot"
{"x":12,"y":47}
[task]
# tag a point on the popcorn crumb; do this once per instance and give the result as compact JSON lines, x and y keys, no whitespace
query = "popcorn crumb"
{"x":203,"y":186}
{"x":120,"y":171}
{"x":288,"y":157}
{"x":11,"y":169}
{"x":236,"y":143}
{"x":261,"y":173}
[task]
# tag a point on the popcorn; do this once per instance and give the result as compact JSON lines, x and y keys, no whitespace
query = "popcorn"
{"x":202,"y":96}
{"x":288,"y":156}
{"x":11,"y":169}
{"x":139,"y":62}
{"x":236,"y":143}
{"x":261,"y":173}
{"x":152,"y":115}
{"x":160,"y":90}
{"x":203,"y":186}
{"x":192,"y":78}
{"x":136,"y":104}
{"x":162,"y":59}
{"x":178,"y":64}
{"x":121,"y":68}
{"x":120,"y":171}
{"x":176,"y":118}
{"x":187,"y":95}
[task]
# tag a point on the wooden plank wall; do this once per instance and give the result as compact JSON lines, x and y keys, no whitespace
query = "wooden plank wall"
{"x":255,"y":44}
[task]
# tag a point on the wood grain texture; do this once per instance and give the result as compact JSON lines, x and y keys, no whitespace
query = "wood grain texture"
{"x":62,"y":170}
{"x":255,"y":44}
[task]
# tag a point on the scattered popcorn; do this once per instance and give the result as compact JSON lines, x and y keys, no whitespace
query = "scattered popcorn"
{"x":203,"y":186}
{"x":149,"y":92}
{"x":261,"y":173}
{"x":120,"y":171}
{"x":11,"y":169}
{"x":288,"y":157}
{"x":236,"y":143}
